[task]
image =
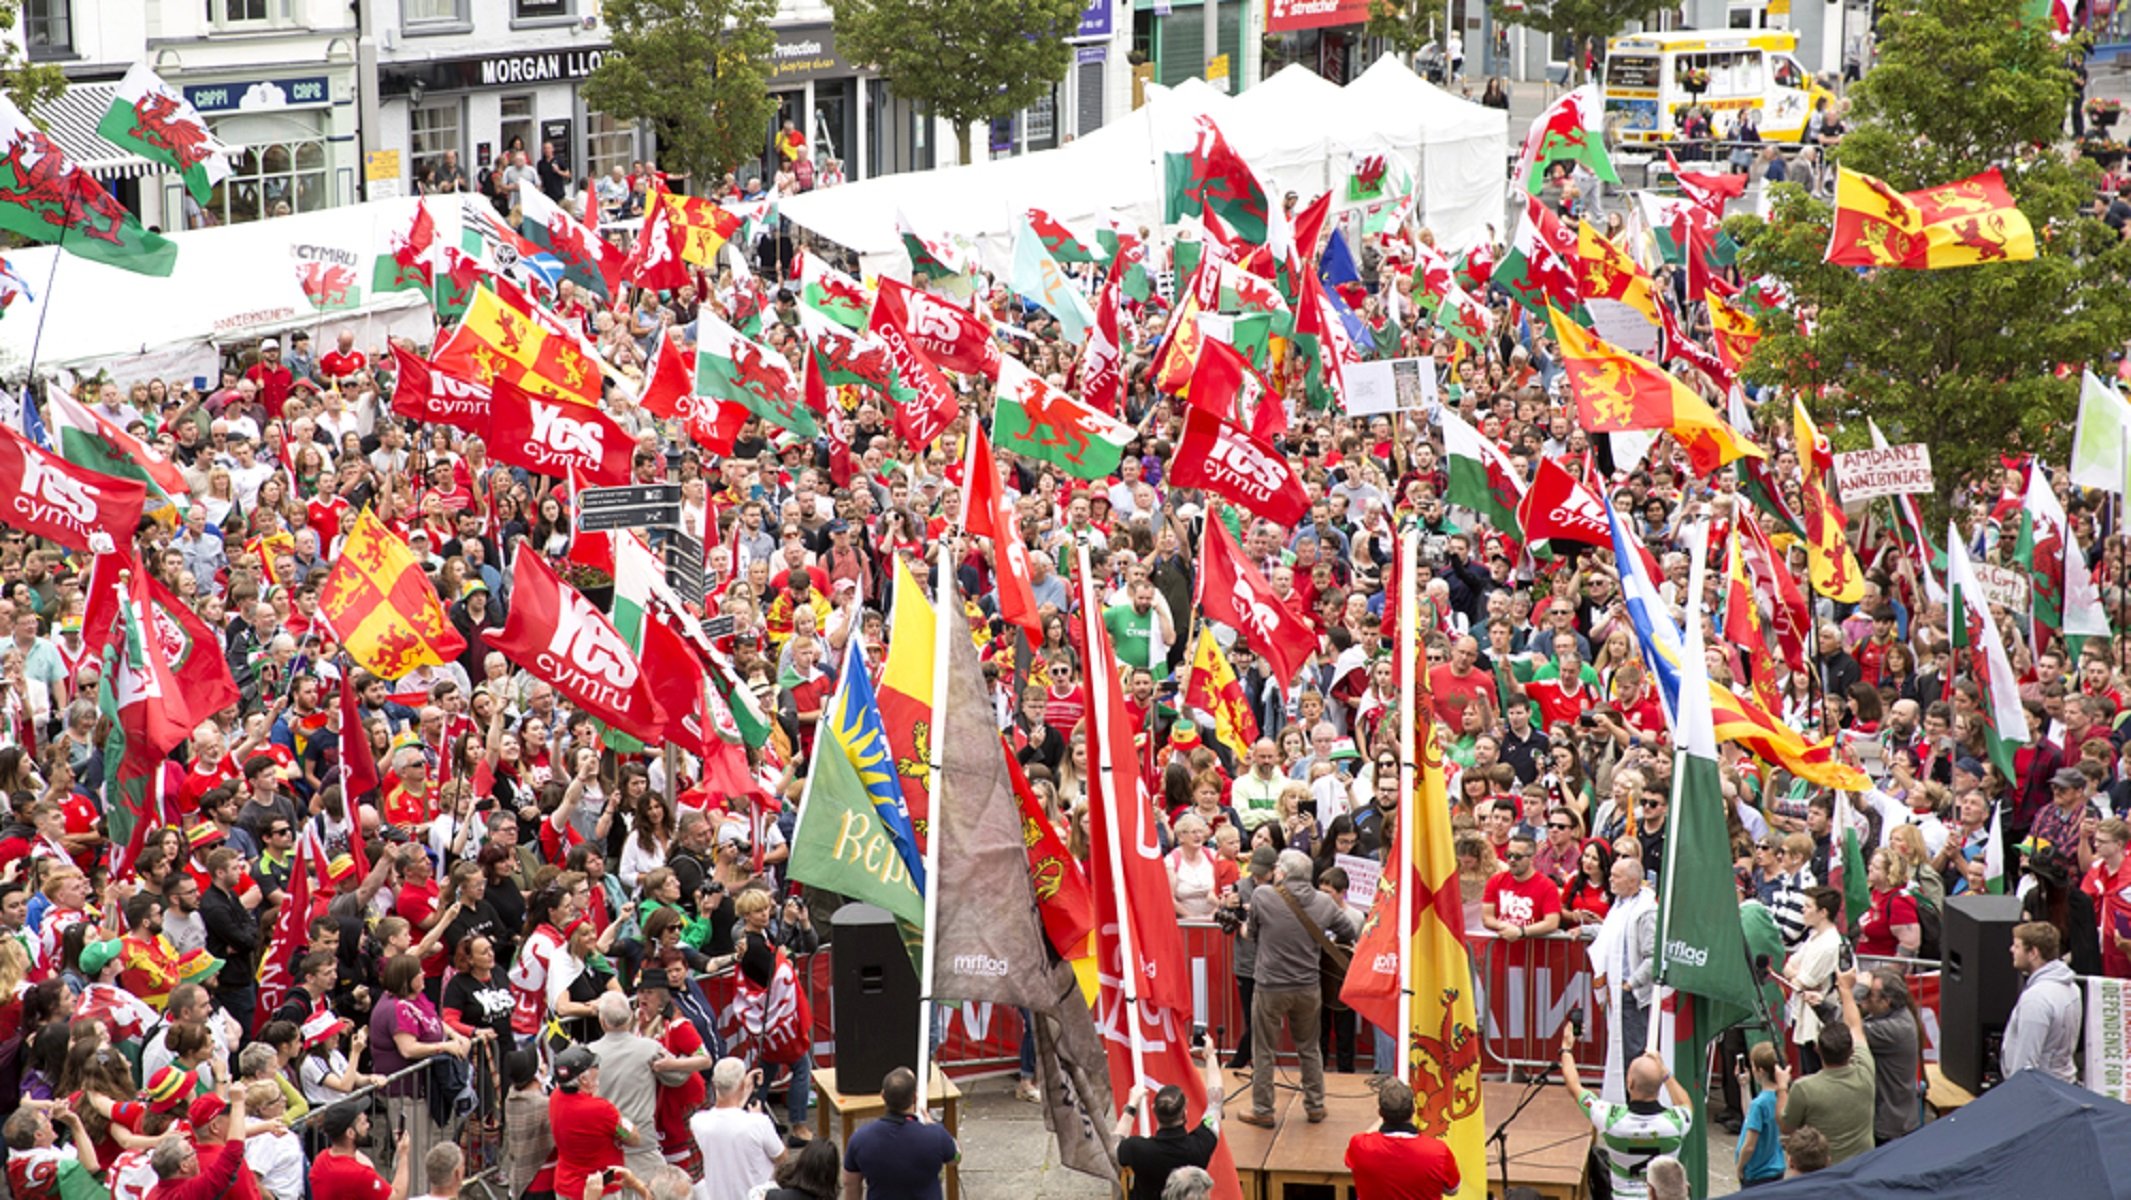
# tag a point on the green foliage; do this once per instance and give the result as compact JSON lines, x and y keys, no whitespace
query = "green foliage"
{"x":965,"y":60}
{"x":695,"y":69}
{"x":1408,"y":25}
{"x":1965,"y":358}
{"x":1575,"y":20}
{"x":28,"y":84}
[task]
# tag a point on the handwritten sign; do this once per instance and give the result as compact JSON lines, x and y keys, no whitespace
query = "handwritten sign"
{"x":1892,"y":471}
{"x":2003,"y":586}
{"x":1362,"y":874}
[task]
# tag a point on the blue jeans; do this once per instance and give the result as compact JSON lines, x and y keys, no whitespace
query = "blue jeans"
{"x":1028,"y":1045}
{"x":800,"y":1090}
{"x":1386,"y":1051}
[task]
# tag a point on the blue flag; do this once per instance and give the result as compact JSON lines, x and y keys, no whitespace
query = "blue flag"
{"x":1659,"y":639}
{"x":33,"y":424}
{"x":854,"y":724}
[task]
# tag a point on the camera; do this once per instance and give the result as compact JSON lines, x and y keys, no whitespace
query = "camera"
{"x":1198,"y":1036}
{"x":1229,"y":920}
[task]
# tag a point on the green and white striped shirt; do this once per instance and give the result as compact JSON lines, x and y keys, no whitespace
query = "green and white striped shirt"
{"x":1632,"y":1135}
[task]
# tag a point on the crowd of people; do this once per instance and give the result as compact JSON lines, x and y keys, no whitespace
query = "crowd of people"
{"x":591,"y":942}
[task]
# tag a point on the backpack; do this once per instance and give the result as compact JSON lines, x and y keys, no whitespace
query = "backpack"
{"x":1932,"y":922}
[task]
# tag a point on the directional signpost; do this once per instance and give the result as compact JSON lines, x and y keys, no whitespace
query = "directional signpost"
{"x":684,"y":567}
{"x":638,"y":506}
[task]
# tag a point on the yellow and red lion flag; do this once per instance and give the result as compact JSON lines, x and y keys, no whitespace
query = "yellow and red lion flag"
{"x":1740,"y":719}
{"x":1959,"y":224}
{"x":1215,"y":689}
{"x":379,"y":603}
{"x":1445,"y":1047}
{"x":1604,"y":271}
{"x":495,"y":341}
{"x":1616,"y":392}
{"x":703,"y":226}
{"x":1733,"y":330}
{"x":1828,"y":558}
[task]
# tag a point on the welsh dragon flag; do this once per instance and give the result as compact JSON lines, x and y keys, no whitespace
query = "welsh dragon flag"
{"x":1972,"y":631}
{"x":1570,"y":130}
{"x":1209,"y":176}
{"x":149,"y":716}
{"x":2066,"y":598}
{"x":1482,"y":477}
{"x":1038,"y":420}
{"x":155,"y":121}
{"x":1538,"y":269}
{"x":408,"y":263}
{"x":730,"y":367}
{"x":87,"y":440}
{"x":45,"y":197}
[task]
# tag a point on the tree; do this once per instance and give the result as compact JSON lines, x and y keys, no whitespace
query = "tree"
{"x":1967,"y":358}
{"x":698,"y":71}
{"x":965,"y":60}
{"x":28,"y":84}
{"x":1409,"y":25}
{"x":1575,"y":20}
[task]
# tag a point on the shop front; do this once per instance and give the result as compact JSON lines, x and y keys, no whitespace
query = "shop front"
{"x":1323,"y":35}
{"x":483,"y":107}
{"x":821,"y":95}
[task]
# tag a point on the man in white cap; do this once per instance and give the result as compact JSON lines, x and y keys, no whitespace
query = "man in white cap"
{"x":272,"y":377}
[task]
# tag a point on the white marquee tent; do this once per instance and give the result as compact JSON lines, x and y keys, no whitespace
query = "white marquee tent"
{"x":1297,"y":129}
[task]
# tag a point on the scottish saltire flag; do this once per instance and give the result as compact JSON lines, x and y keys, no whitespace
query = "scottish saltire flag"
{"x":1655,"y":634}
{"x":854,"y":722}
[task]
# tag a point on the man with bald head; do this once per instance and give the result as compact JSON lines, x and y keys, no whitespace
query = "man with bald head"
{"x":1655,"y":1120}
{"x":1460,"y":682}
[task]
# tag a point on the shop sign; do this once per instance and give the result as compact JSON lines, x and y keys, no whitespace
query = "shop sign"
{"x":260,"y":95}
{"x":805,"y":52}
{"x":1287,"y":16}
{"x":573,"y":65}
{"x":1095,"y":20}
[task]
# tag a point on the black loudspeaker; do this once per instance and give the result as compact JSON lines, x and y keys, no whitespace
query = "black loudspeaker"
{"x":875,"y":994}
{"x":1977,"y":986}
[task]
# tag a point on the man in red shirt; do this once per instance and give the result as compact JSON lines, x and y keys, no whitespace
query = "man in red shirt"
{"x":342,"y":1172}
{"x":1396,"y":1161}
{"x":341,"y":363}
{"x":212,"y":1170}
{"x":589,"y":1131}
{"x":2108,"y":882}
{"x":1459,"y":682}
{"x":1520,"y":903}
{"x":274,"y":380}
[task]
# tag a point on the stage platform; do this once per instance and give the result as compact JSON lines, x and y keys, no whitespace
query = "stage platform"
{"x":1296,"y":1160}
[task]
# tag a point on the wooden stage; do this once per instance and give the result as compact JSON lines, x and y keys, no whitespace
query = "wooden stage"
{"x":1300,"y":1161}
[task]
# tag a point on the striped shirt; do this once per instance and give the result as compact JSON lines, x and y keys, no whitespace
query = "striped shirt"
{"x":1787,"y":906}
{"x":1632,"y":1135}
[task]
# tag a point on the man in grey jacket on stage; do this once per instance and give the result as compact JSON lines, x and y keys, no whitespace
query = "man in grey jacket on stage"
{"x":1287,"y":988}
{"x":2043,"y":1031}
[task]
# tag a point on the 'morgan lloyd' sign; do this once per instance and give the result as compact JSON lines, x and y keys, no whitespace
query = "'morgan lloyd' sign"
{"x":1283,"y":16}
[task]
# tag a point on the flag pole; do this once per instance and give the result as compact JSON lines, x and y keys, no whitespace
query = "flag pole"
{"x":1694,"y":673}
{"x":1100,"y":679}
{"x":44,"y":303}
{"x":936,"y":791}
{"x":1409,"y":553}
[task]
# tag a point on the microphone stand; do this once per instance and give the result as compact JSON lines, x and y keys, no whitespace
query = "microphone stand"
{"x":1500,"y":1137}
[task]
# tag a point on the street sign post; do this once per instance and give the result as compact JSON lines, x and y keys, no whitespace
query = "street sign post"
{"x":684,"y":567}
{"x":636,"y":506}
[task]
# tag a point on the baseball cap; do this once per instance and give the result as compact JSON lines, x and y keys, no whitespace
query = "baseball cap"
{"x":340,"y":1118}
{"x":1263,"y":858}
{"x":270,"y":344}
{"x":571,"y":1066}
{"x":1970,"y":765}
{"x":205,"y":1109}
{"x":323,"y":1026}
{"x":2069,"y":777}
{"x":97,"y":955}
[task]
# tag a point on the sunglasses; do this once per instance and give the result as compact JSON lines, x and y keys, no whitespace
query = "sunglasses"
{"x":1558,"y":825}
{"x":1515,"y":857}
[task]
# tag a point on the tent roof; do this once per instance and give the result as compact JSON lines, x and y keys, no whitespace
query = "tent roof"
{"x":2031,"y":1135}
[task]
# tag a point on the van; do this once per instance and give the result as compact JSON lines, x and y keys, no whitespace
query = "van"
{"x":1650,"y":78}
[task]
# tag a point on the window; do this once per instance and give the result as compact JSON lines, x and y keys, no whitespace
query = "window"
{"x":542,"y":10}
{"x":1042,"y":126}
{"x":48,"y":28}
{"x":432,"y":12}
{"x":1632,"y":71}
{"x":610,"y":142}
{"x":238,"y":12}
{"x":432,"y":129}
{"x":273,"y":180}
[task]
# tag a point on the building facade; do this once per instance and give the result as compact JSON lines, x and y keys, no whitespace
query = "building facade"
{"x":275,"y":77}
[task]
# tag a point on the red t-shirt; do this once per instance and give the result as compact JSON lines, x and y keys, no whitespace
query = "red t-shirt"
{"x":1454,"y":691}
{"x":335,"y":365}
{"x":1525,"y":903}
{"x":417,"y":903}
{"x":199,"y":782}
{"x":678,"y":1102}
{"x":274,"y":384}
{"x":2112,"y":910}
{"x":1063,"y":713}
{"x":1556,"y":704}
{"x":1875,"y":931}
{"x":1401,"y":1165}
{"x":584,"y":1126}
{"x":403,"y":808}
{"x":345,"y":1177}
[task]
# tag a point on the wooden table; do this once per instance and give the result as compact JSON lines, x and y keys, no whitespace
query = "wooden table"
{"x":1943,"y":1095}
{"x":853,"y":1111}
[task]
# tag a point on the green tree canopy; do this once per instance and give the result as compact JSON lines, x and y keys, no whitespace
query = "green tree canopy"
{"x":1575,"y":20}
{"x":965,"y":60}
{"x":697,"y":71}
{"x":1966,"y":358}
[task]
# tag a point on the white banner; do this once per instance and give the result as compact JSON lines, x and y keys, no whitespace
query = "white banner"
{"x":1362,"y":874}
{"x":2108,"y":1066}
{"x":1390,"y":385}
{"x":1888,"y":471}
{"x":2003,"y":586}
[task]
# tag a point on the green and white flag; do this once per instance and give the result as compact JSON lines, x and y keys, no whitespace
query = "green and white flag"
{"x":1038,"y":420}
{"x":637,"y":576}
{"x":155,"y":121}
{"x":46,"y":197}
{"x":1038,"y":277}
{"x":86,"y":439}
{"x":748,"y":373}
{"x":2100,"y":458}
{"x":1971,"y":629}
{"x":2065,"y":595}
{"x":1994,"y":852}
{"x":1481,"y":476}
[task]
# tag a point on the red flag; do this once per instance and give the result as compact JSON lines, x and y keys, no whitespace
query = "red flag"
{"x":552,"y":437}
{"x":1063,"y":899}
{"x":556,"y":635}
{"x":193,"y":649}
{"x":359,"y":775}
{"x":1309,"y":229}
{"x":1217,"y":379}
{"x":923,"y":404}
{"x":673,"y":382}
{"x":678,"y":684}
{"x":1145,"y":1036}
{"x":655,"y":260}
{"x":277,"y":967}
{"x":1232,"y":592}
{"x":1707,"y":190}
{"x":410,"y":250}
{"x":1268,"y":417}
{"x":949,"y":334}
{"x":49,"y":497}
{"x":1223,"y":458}
{"x":1556,"y":506}
{"x":1101,"y":384}
{"x":986,"y":514}
{"x":426,"y":394}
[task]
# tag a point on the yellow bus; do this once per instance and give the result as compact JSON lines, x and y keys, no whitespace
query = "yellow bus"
{"x":1649,"y":78}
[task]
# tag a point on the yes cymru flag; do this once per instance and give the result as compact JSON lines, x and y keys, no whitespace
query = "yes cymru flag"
{"x":1035,"y":419}
{"x":78,"y":508}
{"x":1215,"y":690}
{"x":1233,"y":592}
{"x":1966,"y":223}
{"x":654,"y":261}
{"x":381,"y":605}
{"x":558,"y":438}
{"x":429,"y":395}
{"x":556,"y":635}
{"x":1570,"y":130}
{"x":155,"y":121}
{"x":1221,"y":457}
{"x":46,"y":197}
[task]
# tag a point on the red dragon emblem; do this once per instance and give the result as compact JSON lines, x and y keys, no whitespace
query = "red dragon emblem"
{"x":1369,"y":175}
{"x":326,"y":285}
{"x":61,"y":194}
{"x":753,"y":373}
{"x":156,"y":122}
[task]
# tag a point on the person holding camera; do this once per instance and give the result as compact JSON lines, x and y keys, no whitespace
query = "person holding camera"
{"x":1172,"y":1146}
{"x":1810,"y":974}
{"x":1840,"y":1099}
{"x":1294,"y":927}
{"x":737,"y":1140}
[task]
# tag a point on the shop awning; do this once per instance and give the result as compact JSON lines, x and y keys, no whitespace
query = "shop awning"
{"x":72,"y":118}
